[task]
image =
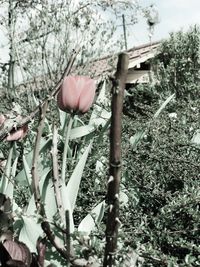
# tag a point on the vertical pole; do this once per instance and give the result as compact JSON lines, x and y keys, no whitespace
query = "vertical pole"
{"x":113,"y":221}
{"x":124,"y":30}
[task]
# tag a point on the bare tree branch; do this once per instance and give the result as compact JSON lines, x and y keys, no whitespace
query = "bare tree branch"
{"x":34,"y":171}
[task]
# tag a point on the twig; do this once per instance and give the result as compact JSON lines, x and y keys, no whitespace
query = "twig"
{"x":56,"y":179}
{"x":113,"y":221}
{"x":68,"y":240}
{"x":61,"y":250}
{"x":25,"y":120}
{"x":34,"y":171}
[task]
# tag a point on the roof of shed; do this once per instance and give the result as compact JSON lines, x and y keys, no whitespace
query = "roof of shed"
{"x":102,"y":67}
{"x":106,"y":65}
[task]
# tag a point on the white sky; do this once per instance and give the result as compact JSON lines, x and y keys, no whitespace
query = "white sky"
{"x":174,"y":15}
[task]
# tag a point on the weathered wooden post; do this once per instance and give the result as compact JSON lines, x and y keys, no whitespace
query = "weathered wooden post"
{"x":113,"y":221}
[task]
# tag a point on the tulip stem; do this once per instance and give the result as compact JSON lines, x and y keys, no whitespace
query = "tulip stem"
{"x":67,"y":131}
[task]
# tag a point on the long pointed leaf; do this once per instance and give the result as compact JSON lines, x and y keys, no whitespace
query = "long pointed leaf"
{"x":93,"y":219}
{"x":10,"y":187}
{"x":81,"y":131}
{"x":30,"y":232}
{"x":164,"y":104}
{"x":27,"y":172}
{"x":71,"y":190}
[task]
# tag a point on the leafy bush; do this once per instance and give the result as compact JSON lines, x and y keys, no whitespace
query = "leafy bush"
{"x":177,"y":64}
{"x":161,"y":174}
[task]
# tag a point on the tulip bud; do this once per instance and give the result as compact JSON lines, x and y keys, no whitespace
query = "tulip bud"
{"x":18,"y":134}
{"x":76,"y":94}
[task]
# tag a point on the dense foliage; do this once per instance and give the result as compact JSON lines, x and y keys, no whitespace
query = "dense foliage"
{"x":177,"y":66}
{"x":162,"y":173}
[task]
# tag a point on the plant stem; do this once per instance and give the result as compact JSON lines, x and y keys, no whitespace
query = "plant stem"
{"x":56,"y":178}
{"x":67,"y":134}
{"x":34,"y":170}
{"x":113,"y":221}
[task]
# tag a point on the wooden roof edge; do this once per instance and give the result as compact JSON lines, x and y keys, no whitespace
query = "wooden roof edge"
{"x":135,"y":48}
{"x":25,"y":83}
{"x":143,"y":46}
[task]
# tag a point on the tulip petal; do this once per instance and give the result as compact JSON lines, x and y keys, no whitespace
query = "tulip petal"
{"x":69,"y":94}
{"x":76,"y":94}
{"x":87,"y":95}
{"x":15,"y":136}
{"x":19,"y":134}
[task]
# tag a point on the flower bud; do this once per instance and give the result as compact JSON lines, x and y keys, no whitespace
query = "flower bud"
{"x":76,"y":94}
{"x":18,"y":134}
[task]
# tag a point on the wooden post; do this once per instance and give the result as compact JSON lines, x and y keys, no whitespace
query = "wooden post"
{"x":113,"y":221}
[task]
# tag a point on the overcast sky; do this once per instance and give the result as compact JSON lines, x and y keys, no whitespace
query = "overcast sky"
{"x":174,"y":15}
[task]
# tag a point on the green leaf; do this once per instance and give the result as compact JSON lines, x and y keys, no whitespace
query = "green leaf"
{"x":92,"y":220}
{"x":81,"y":131}
{"x":135,"y":139}
{"x":164,"y":104}
{"x":10,"y":187}
{"x":70,"y":192}
{"x":27,"y":171}
{"x":99,"y":114}
{"x":31,"y":209}
{"x":102,"y":98}
{"x":48,"y":196}
{"x":62,"y":116}
{"x":45,"y":144}
{"x":24,"y":177}
{"x":30,"y":232}
{"x":67,"y":206}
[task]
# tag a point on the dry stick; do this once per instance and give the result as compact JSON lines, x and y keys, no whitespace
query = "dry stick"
{"x":56,"y":180}
{"x":46,"y":228}
{"x":25,"y":120}
{"x":115,"y":161}
{"x":34,"y":171}
{"x":61,"y":250}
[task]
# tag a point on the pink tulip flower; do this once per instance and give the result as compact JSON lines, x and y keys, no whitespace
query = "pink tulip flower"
{"x":76,"y":94}
{"x":18,"y":134}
